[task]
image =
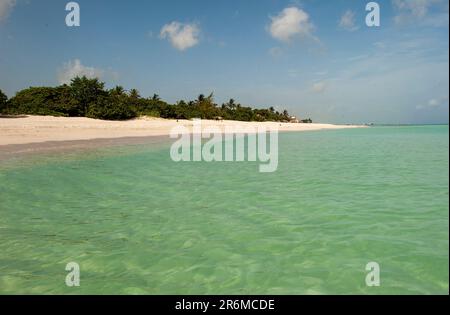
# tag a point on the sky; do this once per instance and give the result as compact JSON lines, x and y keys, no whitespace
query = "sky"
{"x":315,"y":58}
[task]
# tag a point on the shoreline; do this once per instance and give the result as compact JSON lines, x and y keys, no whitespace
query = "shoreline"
{"x":28,"y":150}
{"x":40,"y":129}
{"x":27,"y":136}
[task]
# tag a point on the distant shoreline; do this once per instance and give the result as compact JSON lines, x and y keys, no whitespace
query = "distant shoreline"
{"x":40,"y":129}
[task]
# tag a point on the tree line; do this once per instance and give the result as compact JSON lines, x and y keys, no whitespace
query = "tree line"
{"x":85,"y":97}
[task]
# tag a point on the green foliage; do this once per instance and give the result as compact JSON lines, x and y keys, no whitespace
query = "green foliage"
{"x":3,"y":100}
{"x":153,"y":107}
{"x":110,"y":107}
{"x":44,"y":101}
{"x":234,"y":111}
{"x":85,"y":91}
{"x":88,"y":97}
{"x":134,"y":94}
{"x":117,"y":91}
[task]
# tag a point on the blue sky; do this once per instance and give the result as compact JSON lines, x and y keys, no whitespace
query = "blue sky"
{"x":316,"y":58}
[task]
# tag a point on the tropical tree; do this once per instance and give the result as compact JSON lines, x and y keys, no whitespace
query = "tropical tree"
{"x":200,"y":98}
{"x":207,"y":107}
{"x":117,"y":91}
{"x":3,"y":99}
{"x":85,"y":91}
{"x":231,"y":104}
{"x":56,"y":101}
{"x":110,"y":108}
{"x":88,"y":97}
{"x":134,"y":94}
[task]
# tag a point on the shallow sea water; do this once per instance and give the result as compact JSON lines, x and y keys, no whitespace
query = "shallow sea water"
{"x":138,"y":223}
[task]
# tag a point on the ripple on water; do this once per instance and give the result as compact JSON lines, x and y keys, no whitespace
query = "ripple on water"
{"x":138,"y":223}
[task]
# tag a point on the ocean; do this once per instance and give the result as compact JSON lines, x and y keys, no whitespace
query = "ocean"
{"x":137,"y":222}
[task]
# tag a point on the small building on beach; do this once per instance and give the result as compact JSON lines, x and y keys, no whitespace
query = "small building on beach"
{"x":294,"y":120}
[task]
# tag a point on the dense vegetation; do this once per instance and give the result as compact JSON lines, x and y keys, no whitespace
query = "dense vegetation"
{"x":88,"y":98}
{"x":3,"y":100}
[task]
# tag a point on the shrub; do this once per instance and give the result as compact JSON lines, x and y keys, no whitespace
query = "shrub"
{"x":44,"y":101}
{"x":111,"y":108}
{"x":3,"y":100}
{"x":88,"y":98}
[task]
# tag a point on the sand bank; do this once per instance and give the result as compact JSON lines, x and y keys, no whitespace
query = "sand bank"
{"x":39,"y":129}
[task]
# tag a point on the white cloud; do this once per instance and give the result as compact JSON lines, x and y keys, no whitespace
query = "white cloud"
{"x":418,"y":8}
{"x":319,"y":87}
{"x":291,"y":22}
{"x":5,"y":8}
{"x":74,"y":68}
{"x":434,"y":103}
{"x":427,"y":12}
{"x":383,"y":88}
{"x":181,"y":36}
{"x":347,"y":21}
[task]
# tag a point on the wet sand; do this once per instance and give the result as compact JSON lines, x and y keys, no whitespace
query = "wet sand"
{"x":22,"y":136}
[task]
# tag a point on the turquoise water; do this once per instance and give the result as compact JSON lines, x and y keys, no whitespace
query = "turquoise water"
{"x":138,"y":223}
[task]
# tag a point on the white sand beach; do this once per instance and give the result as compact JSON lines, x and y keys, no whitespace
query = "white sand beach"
{"x":38,"y":129}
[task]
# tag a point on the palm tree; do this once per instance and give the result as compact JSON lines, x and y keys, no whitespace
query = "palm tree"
{"x":201,"y":98}
{"x":134,"y":94}
{"x":118,"y":90}
{"x":85,"y":91}
{"x":231,"y":104}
